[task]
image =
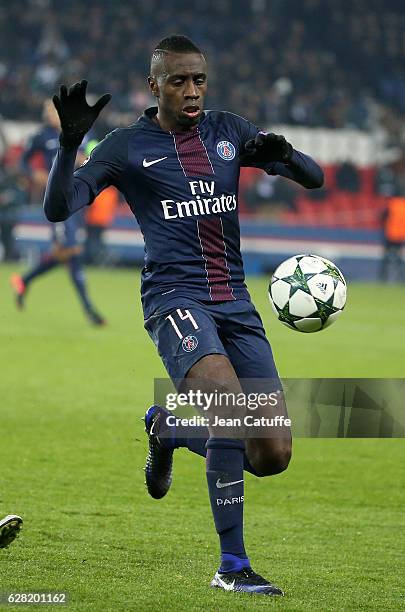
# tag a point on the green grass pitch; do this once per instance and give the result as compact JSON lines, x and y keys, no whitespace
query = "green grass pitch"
{"x":330,"y":530}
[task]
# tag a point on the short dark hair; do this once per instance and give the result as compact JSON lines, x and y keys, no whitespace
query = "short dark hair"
{"x":171,"y":44}
{"x":177,"y":44}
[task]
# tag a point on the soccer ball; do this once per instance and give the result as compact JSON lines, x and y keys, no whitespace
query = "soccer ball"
{"x":307,"y":293}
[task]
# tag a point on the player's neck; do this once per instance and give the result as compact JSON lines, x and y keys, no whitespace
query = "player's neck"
{"x":170,"y":126}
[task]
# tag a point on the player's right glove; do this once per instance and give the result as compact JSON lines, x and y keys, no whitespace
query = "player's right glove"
{"x":268,"y":148}
{"x":76,"y":116}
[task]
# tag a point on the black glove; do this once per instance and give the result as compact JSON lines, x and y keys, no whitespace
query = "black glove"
{"x":268,"y":148}
{"x":76,"y":116}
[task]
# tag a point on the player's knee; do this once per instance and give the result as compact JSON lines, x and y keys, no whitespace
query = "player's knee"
{"x":282,"y":459}
{"x":275,"y":461}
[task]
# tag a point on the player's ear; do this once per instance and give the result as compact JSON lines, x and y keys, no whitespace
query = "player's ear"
{"x":153,"y":86}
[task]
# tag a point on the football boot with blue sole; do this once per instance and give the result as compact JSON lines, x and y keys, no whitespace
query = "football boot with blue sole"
{"x":244,"y":581}
{"x":159,"y":462}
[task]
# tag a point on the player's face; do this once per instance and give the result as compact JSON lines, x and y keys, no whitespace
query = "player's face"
{"x":180,"y":90}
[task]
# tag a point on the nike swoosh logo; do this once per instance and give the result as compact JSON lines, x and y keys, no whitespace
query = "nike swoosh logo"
{"x":221,"y":485}
{"x":224,"y":585}
{"x":146,"y":164}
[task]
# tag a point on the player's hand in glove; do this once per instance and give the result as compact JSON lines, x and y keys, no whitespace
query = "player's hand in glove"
{"x":268,"y":148}
{"x":76,"y":116}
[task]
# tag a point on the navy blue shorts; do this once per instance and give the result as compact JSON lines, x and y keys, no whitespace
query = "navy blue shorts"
{"x":185,"y":330}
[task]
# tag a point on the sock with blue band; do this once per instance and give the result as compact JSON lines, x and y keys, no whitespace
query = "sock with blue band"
{"x":225,"y":486}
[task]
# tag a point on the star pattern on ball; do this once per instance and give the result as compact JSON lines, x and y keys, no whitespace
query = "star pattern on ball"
{"x":285,"y":316}
{"x":334,"y":273}
{"x":299,"y":281}
{"x":325,"y":309}
{"x":314,"y":310}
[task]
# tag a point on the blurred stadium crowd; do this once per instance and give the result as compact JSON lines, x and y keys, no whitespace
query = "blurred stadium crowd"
{"x":332,"y":63}
{"x":328,"y":64}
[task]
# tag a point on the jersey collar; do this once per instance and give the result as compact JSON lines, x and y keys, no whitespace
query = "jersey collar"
{"x":152,"y":111}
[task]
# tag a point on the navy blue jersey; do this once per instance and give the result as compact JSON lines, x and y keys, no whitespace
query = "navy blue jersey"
{"x":183,"y":189}
{"x":46,"y":142}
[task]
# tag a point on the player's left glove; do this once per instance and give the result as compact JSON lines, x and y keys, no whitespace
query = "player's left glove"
{"x":76,"y":116}
{"x":268,"y":148}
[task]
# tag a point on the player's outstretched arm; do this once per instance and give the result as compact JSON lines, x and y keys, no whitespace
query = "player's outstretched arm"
{"x":301,"y":169}
{"x":65,"y":194}
{"x":76,"y":116}
{"x":274,"y":154}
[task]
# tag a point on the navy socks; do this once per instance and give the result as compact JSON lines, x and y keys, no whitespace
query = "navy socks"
{"x":225,"y":486}
{"x":46,"y":263}
{"x":225,"y":462}
{"x":78,"y":279}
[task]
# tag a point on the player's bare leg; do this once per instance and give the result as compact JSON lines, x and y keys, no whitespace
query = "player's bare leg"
{"x":270,"y":455}
{"x":267,"y":455}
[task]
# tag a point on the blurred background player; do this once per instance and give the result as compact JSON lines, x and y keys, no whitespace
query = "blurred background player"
{"x":394,"y":239}
{"x":9,"y":529}
{"x":66,"y":248}
{"x":12,"y":198}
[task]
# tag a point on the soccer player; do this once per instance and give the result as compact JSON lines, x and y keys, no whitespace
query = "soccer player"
{"x":178,"y":168}
{"x":66,"y":248}
{"x":393,"y":220}
{"x":9,"y":529}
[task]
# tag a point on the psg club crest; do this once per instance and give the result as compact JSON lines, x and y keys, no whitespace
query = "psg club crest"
{"x":189,"y":343}
{"x":226,"y":150}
